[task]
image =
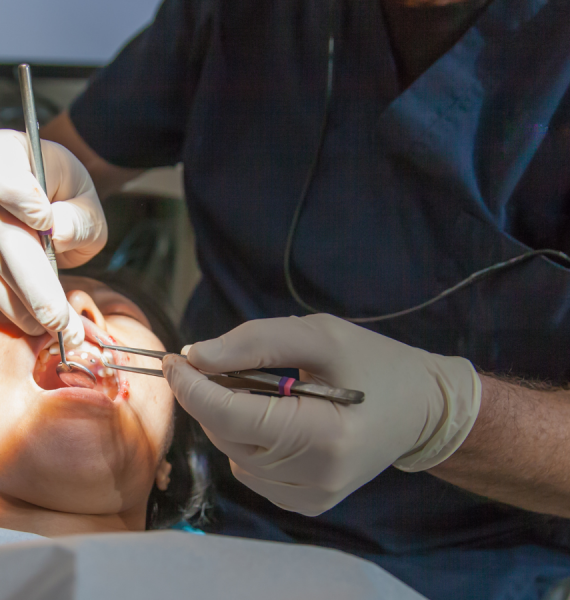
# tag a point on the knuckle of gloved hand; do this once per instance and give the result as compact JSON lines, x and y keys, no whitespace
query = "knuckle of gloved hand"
{"x":22,"y":195}
{"x":328,"y":331}
{"x":28,"y":324}
{"x":186,"y":388}
{"x":249,"y":341}
{"x":51,"y":317}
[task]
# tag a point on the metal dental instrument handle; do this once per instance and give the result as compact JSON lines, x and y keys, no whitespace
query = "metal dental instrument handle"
{"x":71,"y":373}
{"x":35,"y":150}
{"x":251,"y":380}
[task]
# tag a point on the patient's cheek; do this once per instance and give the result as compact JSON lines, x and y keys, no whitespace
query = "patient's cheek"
{"x":125,"y":389}
{"x":46,"y":377}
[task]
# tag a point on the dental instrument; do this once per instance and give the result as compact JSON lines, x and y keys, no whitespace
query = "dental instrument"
{"x":71,"y":373}
{"x":250,"y":380}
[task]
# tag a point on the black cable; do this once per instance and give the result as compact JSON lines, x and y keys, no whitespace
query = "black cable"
{"x":307,"y":185}
{"x":473,"y":278}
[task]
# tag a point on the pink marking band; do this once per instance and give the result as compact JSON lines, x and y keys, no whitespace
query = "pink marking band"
{"x":48,"y":232}
{"x":285,"y":385}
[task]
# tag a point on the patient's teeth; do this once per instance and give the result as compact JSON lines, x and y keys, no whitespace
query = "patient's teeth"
{"x":86,"y":347}
{"x":89,"y":354}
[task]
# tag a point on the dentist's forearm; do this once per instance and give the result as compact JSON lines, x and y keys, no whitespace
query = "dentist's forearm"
{"x":107,"y":177}
{"x":518,"y":451}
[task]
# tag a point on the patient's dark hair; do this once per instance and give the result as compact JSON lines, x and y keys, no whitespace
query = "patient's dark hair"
{"x":188,"y":497}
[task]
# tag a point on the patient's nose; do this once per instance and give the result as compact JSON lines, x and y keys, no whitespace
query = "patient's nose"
{"x":84,"y":305}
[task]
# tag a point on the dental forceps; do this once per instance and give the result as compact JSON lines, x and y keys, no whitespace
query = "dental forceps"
{"x":250,"y":380}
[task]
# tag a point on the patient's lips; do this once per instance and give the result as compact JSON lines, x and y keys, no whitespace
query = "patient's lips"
{"x":87,"y":354}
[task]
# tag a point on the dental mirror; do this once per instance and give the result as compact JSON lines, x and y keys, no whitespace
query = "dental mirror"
{"x":71,"y":373}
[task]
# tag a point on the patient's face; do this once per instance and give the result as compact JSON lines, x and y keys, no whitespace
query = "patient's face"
{"x":76,"y":450}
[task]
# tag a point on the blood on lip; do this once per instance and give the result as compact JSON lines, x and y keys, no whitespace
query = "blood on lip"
{"x":87,"y":355}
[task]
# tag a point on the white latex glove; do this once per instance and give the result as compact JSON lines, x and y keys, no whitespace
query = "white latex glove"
{"x":30,"y":293}
{"x":306,"y":454}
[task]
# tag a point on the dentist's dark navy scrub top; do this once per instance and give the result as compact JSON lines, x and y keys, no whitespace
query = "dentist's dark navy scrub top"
{"x":414,"y":190}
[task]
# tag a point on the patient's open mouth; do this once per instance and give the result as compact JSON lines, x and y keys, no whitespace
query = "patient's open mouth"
{"x":88,"y":355}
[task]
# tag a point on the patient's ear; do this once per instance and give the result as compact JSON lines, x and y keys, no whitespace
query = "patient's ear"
{"x":163,"y":475}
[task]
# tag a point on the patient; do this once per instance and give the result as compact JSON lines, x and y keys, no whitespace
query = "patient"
{"x":79,"y":461}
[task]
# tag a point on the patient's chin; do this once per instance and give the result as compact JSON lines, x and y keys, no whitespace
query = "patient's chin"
{"x":70,"y":492}
{"x":83,"y":484}
{"x":78,"y":465}
{"x":68,"y":499}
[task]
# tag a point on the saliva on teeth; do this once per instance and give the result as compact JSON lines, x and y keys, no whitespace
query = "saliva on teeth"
{"x":87,"y":354}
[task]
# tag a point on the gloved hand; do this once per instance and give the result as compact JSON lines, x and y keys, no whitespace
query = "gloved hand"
{"x":306,"y":454}
{"x":30,"y":293}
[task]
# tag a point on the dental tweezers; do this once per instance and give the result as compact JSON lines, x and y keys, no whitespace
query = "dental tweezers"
{"x":250,"y":380}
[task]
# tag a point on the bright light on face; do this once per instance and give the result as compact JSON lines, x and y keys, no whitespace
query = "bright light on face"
{"x":79,"y":450}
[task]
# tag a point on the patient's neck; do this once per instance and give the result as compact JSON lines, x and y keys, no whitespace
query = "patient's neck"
{"x":21,"y":516}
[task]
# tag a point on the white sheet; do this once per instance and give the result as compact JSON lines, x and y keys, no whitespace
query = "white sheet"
{"x":176,"y":565}
{"x":9,"y":536}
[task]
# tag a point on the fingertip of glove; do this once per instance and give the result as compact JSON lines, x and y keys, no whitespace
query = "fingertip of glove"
{"x":205,"y":355}
{"x":30,"y":204}
{"x":74,"y":333}
{"x":43,"y":220}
